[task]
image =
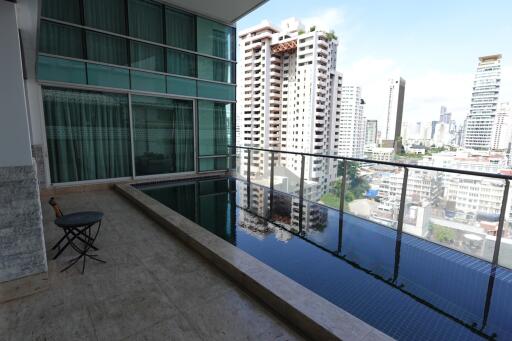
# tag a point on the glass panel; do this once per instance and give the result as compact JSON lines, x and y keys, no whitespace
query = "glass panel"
{"x":212,"y":164}
{"x":146,"y":20}
{"x":181,"y":63}
{"x":106,"y":15}
{"x":330,"y":193}
{"x":108,"y":76}
{"x":146,"y":56}
{"x":107,"y":49}
{"x":181,"y":86}
{"x":215,"y":90}
{"x":286,"y":172}
{"x":88,"y":135}
{"x":505,"y":256}
{"x":216,"y":127}
{"x":60,"y":70}
{"x":215,"y":69}
{"x":458,"y":211}
{"x":147,"y":81}
{"x":373,"y":192}
{"x":215,"y":39}
{"x":65,"y":10}
{"x":163,"y":135}
{"x":61,"y":40}
{"x":180,"y":29}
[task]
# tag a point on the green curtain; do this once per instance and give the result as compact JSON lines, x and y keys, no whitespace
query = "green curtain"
{"x":181,"y":63}
{"x":107,"y":49}
{"x":220,"y":128}
{"x":146,"y":20}
{"x":60,"y":40}
{"x":163,"y":135}
{"x":183,"y":136}
{"x":108,"y":15}
{"x":65,"y":10}
{"x":220,"y":71}
{"x":180,"y":29}
{"x":88,"y":135}
{"x":146,"y":56}
{"x":220,"y":43}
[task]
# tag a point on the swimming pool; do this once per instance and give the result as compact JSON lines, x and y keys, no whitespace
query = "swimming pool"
{"x":407,"y":287}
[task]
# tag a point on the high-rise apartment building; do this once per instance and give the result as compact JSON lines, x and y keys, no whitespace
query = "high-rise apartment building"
{"x":502,"y":128}
{"x":395,"y":112}
{"x":289,"y":98}
{"x":351,"y":132}
{"x":371,"y":132}
{"x":484,"y":104}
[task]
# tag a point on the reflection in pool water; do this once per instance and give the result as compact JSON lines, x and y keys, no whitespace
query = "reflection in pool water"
{"x":405,"y":286}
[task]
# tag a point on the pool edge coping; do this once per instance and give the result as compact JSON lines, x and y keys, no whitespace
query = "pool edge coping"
{"x":304,"y":309}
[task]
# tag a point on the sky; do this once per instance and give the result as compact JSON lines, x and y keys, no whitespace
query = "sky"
{"x":434,"y":45}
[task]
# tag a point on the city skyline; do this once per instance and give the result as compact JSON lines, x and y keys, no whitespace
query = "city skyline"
{"x":437,"y":73}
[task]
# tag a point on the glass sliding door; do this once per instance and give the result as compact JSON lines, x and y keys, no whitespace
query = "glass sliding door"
{"x":88,"y":135}
{"x":216,"y":132}
{"x":163,"y":135}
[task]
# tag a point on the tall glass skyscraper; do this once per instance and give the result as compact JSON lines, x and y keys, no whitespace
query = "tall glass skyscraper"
{"x":484,"y":103}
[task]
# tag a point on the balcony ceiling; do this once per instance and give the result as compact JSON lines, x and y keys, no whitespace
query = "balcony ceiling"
{"x":226,"y":11}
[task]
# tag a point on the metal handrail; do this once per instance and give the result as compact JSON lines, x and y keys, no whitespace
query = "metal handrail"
{"x":387,"y":163}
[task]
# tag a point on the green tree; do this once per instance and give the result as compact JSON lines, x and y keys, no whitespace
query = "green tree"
{"x":442,"y":234}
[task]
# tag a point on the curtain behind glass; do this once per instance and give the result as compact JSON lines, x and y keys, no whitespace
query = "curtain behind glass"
{"x":106,"y":15}
{"x":146,"y":20}
{"x":183,"y":136}
{"x":220,"y":127}
{"x":146,"y":56}
{"x":60,"y":40}
{"x":65,"y":10}
{"x":181,"y":63}
{"x":180,"y":29}
{"x":163,"y":135}
{"x":107,"y":49}
{"x":88,"y":135}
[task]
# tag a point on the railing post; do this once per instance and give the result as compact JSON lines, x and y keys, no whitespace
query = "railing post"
{"x":342,"y":204}
{"x":301,"y":191}
{"x":400,"y":224}
{"x":248,"y":178}
{"x":401,"y":210}
{"x":501,"y":224}
{"x":343,"y":187}
{"x":272,"y":158}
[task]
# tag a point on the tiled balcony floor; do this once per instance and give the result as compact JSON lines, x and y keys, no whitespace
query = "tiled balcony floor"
{"x":152,"y":288}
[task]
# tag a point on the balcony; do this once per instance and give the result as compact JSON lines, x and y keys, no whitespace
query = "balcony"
{"x":422,"y":250}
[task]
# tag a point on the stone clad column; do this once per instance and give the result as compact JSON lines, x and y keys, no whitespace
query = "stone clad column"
{"x":22,"y":251}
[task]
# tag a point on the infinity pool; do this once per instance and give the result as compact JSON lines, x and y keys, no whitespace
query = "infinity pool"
{"x":409,"y":288}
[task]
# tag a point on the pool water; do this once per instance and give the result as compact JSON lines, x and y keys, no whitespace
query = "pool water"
{"x":407,"y":287}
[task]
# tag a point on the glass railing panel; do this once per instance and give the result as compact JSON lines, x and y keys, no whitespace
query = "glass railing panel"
{"x":260,"y":170}
{"x":330,"y":193}
{"x":505,"y":256}
{"x":457,"y":211}
{"x":287,"y":171}
{"x":373,"y":192}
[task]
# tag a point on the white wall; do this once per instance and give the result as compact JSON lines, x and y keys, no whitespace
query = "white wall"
{"x":15,"y":147}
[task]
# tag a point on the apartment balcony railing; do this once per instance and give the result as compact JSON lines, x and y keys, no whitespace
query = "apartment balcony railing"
{"x":485,"y":235}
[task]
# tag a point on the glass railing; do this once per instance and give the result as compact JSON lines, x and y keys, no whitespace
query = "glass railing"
{"x":462,"y":210}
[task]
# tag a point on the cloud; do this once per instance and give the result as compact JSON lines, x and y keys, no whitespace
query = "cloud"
{"x":327,"y":19}
{"x":425,"y":92}
{"x":373,"y":75}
